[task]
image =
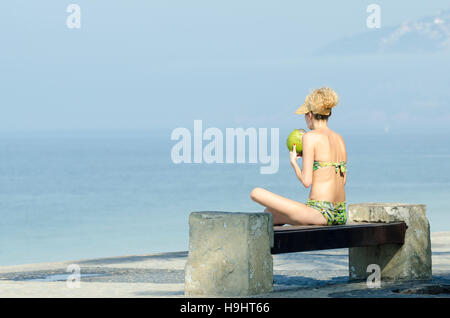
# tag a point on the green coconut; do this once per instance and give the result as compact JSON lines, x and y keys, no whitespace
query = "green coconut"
{"x":295,"y":137}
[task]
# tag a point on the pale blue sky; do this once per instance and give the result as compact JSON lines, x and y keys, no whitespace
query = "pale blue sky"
{"x":139,"y":65}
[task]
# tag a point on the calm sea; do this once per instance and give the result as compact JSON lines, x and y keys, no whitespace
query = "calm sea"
{"x":75,"y":196}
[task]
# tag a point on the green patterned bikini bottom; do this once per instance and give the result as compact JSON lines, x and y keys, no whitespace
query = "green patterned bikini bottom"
{"x":334,"y":212}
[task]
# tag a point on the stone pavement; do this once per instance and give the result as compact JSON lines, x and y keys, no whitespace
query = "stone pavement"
{"x":300,"y":275}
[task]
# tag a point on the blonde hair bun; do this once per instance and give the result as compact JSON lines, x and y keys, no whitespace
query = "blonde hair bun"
{"x":322,"y":100}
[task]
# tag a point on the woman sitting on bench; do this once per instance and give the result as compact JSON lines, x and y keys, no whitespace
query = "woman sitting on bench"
{"x":324,"y":169}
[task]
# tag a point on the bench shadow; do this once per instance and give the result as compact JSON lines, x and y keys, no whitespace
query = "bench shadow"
{"x":441,"y":253}
{"x":302,"y":281}
{"x":133,"y":259}
{"x":161,"y":293}
{"x":438,"y":286}
{"x":319,"y":258}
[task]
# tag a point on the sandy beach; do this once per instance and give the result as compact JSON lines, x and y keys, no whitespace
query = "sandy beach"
{"x":309,"y":274}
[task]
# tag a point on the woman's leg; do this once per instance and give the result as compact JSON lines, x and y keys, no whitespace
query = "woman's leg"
{"x":278,"y":219}
{"x":287,"y":211}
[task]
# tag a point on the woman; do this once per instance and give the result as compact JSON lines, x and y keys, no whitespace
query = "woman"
{"x":323,"y":168}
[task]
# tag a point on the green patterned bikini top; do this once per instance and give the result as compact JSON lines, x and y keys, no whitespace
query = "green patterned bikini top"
{"x":338,"y":165}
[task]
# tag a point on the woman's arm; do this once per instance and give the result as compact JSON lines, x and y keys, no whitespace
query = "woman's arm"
{"x":304,"y":176}
{"x":345,"y":159}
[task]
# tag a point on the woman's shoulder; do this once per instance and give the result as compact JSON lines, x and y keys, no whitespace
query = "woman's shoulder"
{"x":321,"y":134}
{"x":339,"y":136}
{"x":311,"y":136}
{"x":317,"y":136}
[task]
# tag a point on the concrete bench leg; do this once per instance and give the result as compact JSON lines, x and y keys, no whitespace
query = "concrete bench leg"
{"x":410,"y":261}
{"x":229,"y":254}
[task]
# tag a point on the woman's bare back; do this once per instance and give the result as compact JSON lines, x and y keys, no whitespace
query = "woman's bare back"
{"x":328,"y":185}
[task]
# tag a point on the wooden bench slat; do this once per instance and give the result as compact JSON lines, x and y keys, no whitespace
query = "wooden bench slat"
{"x":290,"y":239}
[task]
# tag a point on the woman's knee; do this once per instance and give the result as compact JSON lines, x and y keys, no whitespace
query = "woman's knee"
{"x":256,"y":194}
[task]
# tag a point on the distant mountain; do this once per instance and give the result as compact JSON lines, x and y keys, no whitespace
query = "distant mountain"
{"x":429,"y":34}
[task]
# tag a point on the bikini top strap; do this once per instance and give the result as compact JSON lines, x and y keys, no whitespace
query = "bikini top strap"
{"x":338,"y":165}
{"x":342,"y":166}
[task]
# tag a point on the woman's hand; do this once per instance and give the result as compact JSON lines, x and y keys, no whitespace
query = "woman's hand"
{"x":293,"y":156}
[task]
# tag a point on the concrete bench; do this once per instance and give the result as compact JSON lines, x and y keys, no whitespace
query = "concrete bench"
{"x":230,"y":254}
